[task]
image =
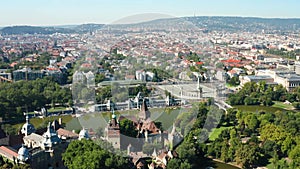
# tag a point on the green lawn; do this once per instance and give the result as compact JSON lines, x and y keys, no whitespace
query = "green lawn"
{"x":270,"y":166}
{"x":37,"y":122}
{"x":57,"y":109}
{"x":216,"y":132}
{"x":167,"y":118}
{"x":258,"y":108}
{"x":283,"y":106}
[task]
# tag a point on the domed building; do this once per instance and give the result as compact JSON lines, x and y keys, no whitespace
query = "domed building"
{"x":83,"y":134}
{"x":27,"y":128}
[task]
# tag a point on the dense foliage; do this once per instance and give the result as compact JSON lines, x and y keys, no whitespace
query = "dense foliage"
{"x":259,"y":137}
{"x":259,"y":93}
{"x":22,"y":96}
{"x":118,"y":93}
{"x":87,"y":154}
{"x":248,"y":139}
{"x":284,"y":53}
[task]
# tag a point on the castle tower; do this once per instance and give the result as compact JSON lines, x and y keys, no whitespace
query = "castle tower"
{"x":144,"y":113}
{"x":50,"y":138}
{"x":113,"y":131}
{"x":27,"y":128}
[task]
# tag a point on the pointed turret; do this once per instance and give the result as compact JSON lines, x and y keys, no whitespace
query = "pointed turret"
{"x":144,"y":113}
{"x":114,"y":121}
{"x":113,"y":131}
{"x":27,"y":128}
{"x":50,"y":138}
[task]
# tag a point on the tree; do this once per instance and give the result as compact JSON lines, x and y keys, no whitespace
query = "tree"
{"x":224,"y":152}
{"x":252,"y":122}
{"x":234,"y":81}
{"x":273,"y":133}
{"x":87,"y":154}
{"x":295,"y":156}
{"x":178,"y":164}
{"x":127,"y":128}
{"x":187,"y":151}
{"x":275,"y":159}
{"x":296,"y":105}
{"x":247,"y":155}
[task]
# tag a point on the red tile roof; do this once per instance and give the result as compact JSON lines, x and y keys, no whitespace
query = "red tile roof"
{"x":8,"y":152}
{"x":231,"y":61}
{"x":199,"y":63}
{"x":66,"y":133}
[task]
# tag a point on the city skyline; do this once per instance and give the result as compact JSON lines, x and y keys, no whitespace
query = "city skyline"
{"x":67,"y":12}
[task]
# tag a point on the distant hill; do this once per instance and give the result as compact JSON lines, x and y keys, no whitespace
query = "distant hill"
{"x":245,"y":23}
{"x":50,"y":30}
{"x":88,"y":27}
{"x":33,"y":30}
{"x":218,"y":23}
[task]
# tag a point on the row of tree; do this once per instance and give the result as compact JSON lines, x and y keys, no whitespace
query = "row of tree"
{"x":118,"y":93}
{"x":260,"y":93}
{"x":284,"y":53}
{"x":27,"y":96}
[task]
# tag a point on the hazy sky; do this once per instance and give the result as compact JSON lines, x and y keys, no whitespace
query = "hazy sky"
{"x":64,"y":12}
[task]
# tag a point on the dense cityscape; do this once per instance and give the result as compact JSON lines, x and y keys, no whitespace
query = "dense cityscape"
{"x":178,"y":93}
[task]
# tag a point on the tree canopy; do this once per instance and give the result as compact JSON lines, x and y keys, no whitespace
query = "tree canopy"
{"x":89,"y":155}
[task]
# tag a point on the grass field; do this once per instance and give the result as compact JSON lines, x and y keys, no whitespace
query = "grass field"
{"x":258,"y":108}
{"x":283,"y":106}
{"x":56,"y":109}
{"x":216,"y":132}
{"x":37,"y":122}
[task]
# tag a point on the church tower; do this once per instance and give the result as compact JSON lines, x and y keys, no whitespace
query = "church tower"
{"x":50,"y":139}
{"x":113,"y":131}
{"x":144,"y":113}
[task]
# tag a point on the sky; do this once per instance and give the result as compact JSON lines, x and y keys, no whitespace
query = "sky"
{"x":69,"y":12}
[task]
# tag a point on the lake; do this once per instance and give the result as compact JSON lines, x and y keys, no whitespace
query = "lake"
{"x":215,"y":164}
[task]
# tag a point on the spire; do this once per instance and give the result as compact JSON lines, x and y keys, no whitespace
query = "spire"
{"x":144,"y":113}
{"x":50,"y":138}
{"x":113,"y":122}
{"x":27,"y":128}
{"x":27,"y":118}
